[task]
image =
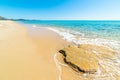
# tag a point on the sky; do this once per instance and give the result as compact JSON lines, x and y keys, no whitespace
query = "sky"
{"x":61,"y":9}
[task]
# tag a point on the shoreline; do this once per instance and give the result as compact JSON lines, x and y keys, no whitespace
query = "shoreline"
{"x":28,"y":53}
{"x":102,"y":43}
{"x":33,"y":53}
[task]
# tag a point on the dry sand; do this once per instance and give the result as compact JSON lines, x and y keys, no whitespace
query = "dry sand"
{"x":28,"y":54}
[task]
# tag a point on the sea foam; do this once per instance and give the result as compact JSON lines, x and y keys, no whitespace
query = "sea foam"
{"x":80,"y":38}
{"x":111,"y":66}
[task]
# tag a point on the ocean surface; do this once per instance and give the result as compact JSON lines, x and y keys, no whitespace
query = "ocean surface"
{"x":109,"y":30}
{"x":83,"y":32}
{"x":106,"y":33}
{"x":90,"y":29}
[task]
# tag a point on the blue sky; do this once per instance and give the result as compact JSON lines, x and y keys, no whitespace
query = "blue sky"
{"x":61,"y":9}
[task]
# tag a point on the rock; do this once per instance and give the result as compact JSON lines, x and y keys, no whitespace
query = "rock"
{"x":101,"y":51}
{"x":85,"y":57}
{"x":80,"y":59}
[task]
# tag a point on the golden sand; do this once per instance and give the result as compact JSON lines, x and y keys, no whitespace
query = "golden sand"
{"x":27,"y":54}
{"x":32,"y":54}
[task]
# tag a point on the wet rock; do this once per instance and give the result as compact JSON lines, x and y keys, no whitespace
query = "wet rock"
{"x":85,"y":58}
{"x":100,"y":51}
{"x":80,"y":59}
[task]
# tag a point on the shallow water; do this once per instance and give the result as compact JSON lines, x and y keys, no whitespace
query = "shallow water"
{"x":105,"y":33}
{"x":92,"y":29}
{"x":84,"y":32}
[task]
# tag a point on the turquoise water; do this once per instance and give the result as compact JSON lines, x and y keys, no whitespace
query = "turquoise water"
{"x":92,"y":29}
{"x":106,"y":33}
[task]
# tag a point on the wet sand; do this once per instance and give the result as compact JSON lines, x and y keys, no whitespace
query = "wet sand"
{"x":28,"y":54}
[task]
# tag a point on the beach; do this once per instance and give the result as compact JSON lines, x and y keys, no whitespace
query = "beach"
{"x":59,"y":39}
{"x":28,"y":54}
{"x":39,"y":52}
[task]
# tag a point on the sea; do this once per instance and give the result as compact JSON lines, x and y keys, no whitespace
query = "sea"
{"x":97,"y":32}
{"x":72,"y":30}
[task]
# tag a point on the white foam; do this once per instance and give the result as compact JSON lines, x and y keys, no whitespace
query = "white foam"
{"x":67,"y":35}
{"x":58,"y":66}
{"x":34,"y":26}
{"x":111,"y":66}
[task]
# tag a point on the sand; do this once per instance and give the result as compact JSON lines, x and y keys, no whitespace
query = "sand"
{"x":33,"y":54}
{"x":28,"y":54}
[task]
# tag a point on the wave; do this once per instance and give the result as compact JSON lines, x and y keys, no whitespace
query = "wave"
{"x":80,"y":38}
{"x":111,"y":66}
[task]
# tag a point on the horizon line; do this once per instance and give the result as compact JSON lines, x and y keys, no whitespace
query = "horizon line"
{"x":71,"y":19}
